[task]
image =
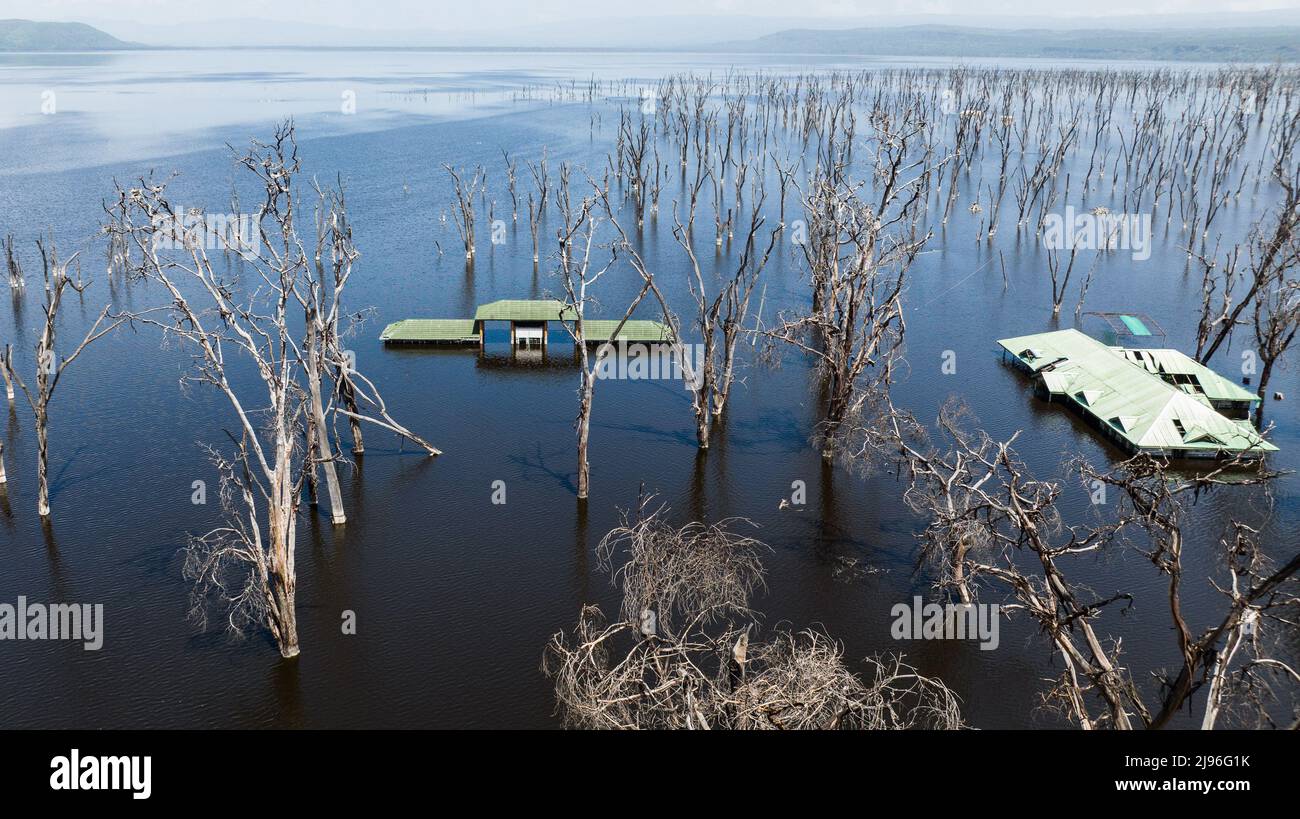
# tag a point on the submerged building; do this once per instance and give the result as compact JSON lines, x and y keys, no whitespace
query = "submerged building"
{"x":529,"y":322}
{"x":1157,"y":401}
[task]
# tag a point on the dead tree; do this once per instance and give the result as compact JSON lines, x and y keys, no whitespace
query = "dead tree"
{"x":859,"y":254}
{"x":542,"y":180}
{"x":6,"y":367}
{"x":320,"y":319}
{"x":50,"y":366}
{"x":534,"y":219}
{"x":1273,"y":255}
{"x":1257,"y":594}
{"x":576,"y":240}
{"x":356,"y":397}
{"x":1277,"y":320}
{"x":13,"y":267}
{"x":994,"y":531}
{"x":333,"y":230}
{"x":1059,"y":282}
{"x":784,"y":179}
{"x":1218,"y":279}
{"x":512,"y":184}
{"x":6,"y":363}
{"x":465,"y":189}
{"x":637,"y":141}
{"x":685,"y":650}
{"x":247,"y":563}
{"x":229,"y":321}
{"x":719,"y":318}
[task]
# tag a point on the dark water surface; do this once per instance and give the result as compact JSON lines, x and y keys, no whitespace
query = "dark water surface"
{"x":455,"y":597}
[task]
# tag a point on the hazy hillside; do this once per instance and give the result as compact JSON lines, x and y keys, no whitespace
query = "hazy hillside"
{"x":639,"y":32}
{"x":26,"y":35}
{"x":1268,"y":37}
{"x":1240,"y":44}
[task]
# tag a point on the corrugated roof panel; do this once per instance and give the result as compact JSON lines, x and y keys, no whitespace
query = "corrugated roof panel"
{"x":525,"y":310}
{"x":430,"y":330}
{"x":1057,"y":381}
{"x":635,"y":330}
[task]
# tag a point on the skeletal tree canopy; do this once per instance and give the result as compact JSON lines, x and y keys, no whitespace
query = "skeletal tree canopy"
{"x":994,"y":533}
{"x":686,"y":652}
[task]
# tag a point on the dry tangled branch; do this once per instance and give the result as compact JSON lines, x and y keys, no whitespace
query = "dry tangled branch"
{"x":801,"y":682}
{"x":682,"y":655}
{"x":994,"y":531}
{"x":697,"y":569}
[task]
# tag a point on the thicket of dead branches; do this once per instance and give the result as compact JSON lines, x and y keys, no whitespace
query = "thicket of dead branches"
{"x":687,"y":650}
{"x":995,"y":534}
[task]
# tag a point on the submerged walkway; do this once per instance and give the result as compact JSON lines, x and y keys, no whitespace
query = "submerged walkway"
{"x":529,"y":322}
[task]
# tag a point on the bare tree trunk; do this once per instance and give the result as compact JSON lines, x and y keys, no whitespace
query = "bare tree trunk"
{"x":284,"y":577}
{"x":584,"y":432}
{"x":285,"y":617}
{"x":322,"y":443}
{"x":348,"y":393}
{"x":42,"y":463}
{"x":1218,"y":673}
{"x":309,"y":465}
{"x":1264,"y":375}
{"x":6,"y":363}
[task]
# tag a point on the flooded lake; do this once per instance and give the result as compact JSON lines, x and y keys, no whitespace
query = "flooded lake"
{"x":455,"y":596}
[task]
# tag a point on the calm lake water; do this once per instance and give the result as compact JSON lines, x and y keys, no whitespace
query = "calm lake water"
{"x":455,"y":597}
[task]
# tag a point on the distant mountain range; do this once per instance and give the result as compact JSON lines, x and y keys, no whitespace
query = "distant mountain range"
{"x":639,"y":33}
{"x":1204,"y":38}
{"x":28,"y":35}
{"x":1194,"y":45}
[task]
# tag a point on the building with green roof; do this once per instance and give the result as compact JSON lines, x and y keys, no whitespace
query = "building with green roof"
{"x":529,"y":321}
{"x":1156,"y":401}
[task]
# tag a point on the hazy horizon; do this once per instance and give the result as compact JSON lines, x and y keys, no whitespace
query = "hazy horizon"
{"x":548,"y":21}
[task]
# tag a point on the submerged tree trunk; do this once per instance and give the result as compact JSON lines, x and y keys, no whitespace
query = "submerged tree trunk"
{"x":704,"y":396}
{"x":283,"y":531}
{"x":313,"y":489}
{"x":5,"y":364}
{"x":1264,"y":375}
{"x":584,"y":430}
{"x":317,"y":425}
{"x":347,"y":392}
{"x":42,"y":462}
{"x":284,"y":618}
{"x":282,"y":582}
{"x":837,"y":410}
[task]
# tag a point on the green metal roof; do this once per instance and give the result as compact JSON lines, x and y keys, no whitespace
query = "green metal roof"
{"x":1144,"y":409}
{"x":1188,"y":374}
{"x":465,"y":331}
{"x":635,"y":330}
{"x":525,"y":310}
{"x":433,"y":330}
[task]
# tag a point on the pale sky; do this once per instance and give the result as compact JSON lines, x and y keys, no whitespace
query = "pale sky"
{"x":452,"y":15}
